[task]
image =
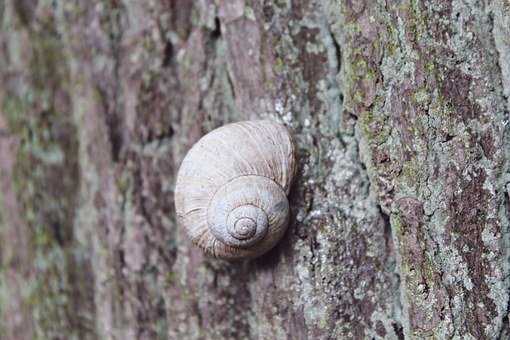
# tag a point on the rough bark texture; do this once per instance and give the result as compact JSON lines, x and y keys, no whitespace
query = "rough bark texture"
{"x":400,"y":221}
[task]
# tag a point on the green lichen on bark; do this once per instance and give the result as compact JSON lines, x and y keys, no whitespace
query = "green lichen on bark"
{"x":399,"y":218}
{"x":45,"y":179}
{"x":3,"y":284}
{"x":422,"y":137}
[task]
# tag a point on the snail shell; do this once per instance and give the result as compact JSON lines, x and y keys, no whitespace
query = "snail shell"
{"x":232,"y":187}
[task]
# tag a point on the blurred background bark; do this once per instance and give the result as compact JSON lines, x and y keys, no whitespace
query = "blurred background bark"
{"x":400,"y":214}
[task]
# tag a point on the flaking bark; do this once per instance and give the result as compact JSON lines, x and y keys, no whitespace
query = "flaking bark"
{"x":400,"y":218}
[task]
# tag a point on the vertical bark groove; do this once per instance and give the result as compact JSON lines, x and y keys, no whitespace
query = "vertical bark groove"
{"x":400,"y":222}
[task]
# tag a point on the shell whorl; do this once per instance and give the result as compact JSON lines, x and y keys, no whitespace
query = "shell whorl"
{"x":231,"y":191}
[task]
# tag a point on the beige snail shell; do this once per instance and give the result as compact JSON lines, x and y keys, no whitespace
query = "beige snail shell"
{"x":232,"y":187}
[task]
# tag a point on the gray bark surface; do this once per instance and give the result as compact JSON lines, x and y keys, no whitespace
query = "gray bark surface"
{"x":400,"y":212}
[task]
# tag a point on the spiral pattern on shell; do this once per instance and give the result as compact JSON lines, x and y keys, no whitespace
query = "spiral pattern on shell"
{"x":232,"y":187}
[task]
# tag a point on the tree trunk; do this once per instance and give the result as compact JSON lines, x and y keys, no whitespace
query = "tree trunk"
{"x":400,"y":213}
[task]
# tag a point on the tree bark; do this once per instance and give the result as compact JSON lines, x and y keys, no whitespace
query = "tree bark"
{"x":400,"y":212}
